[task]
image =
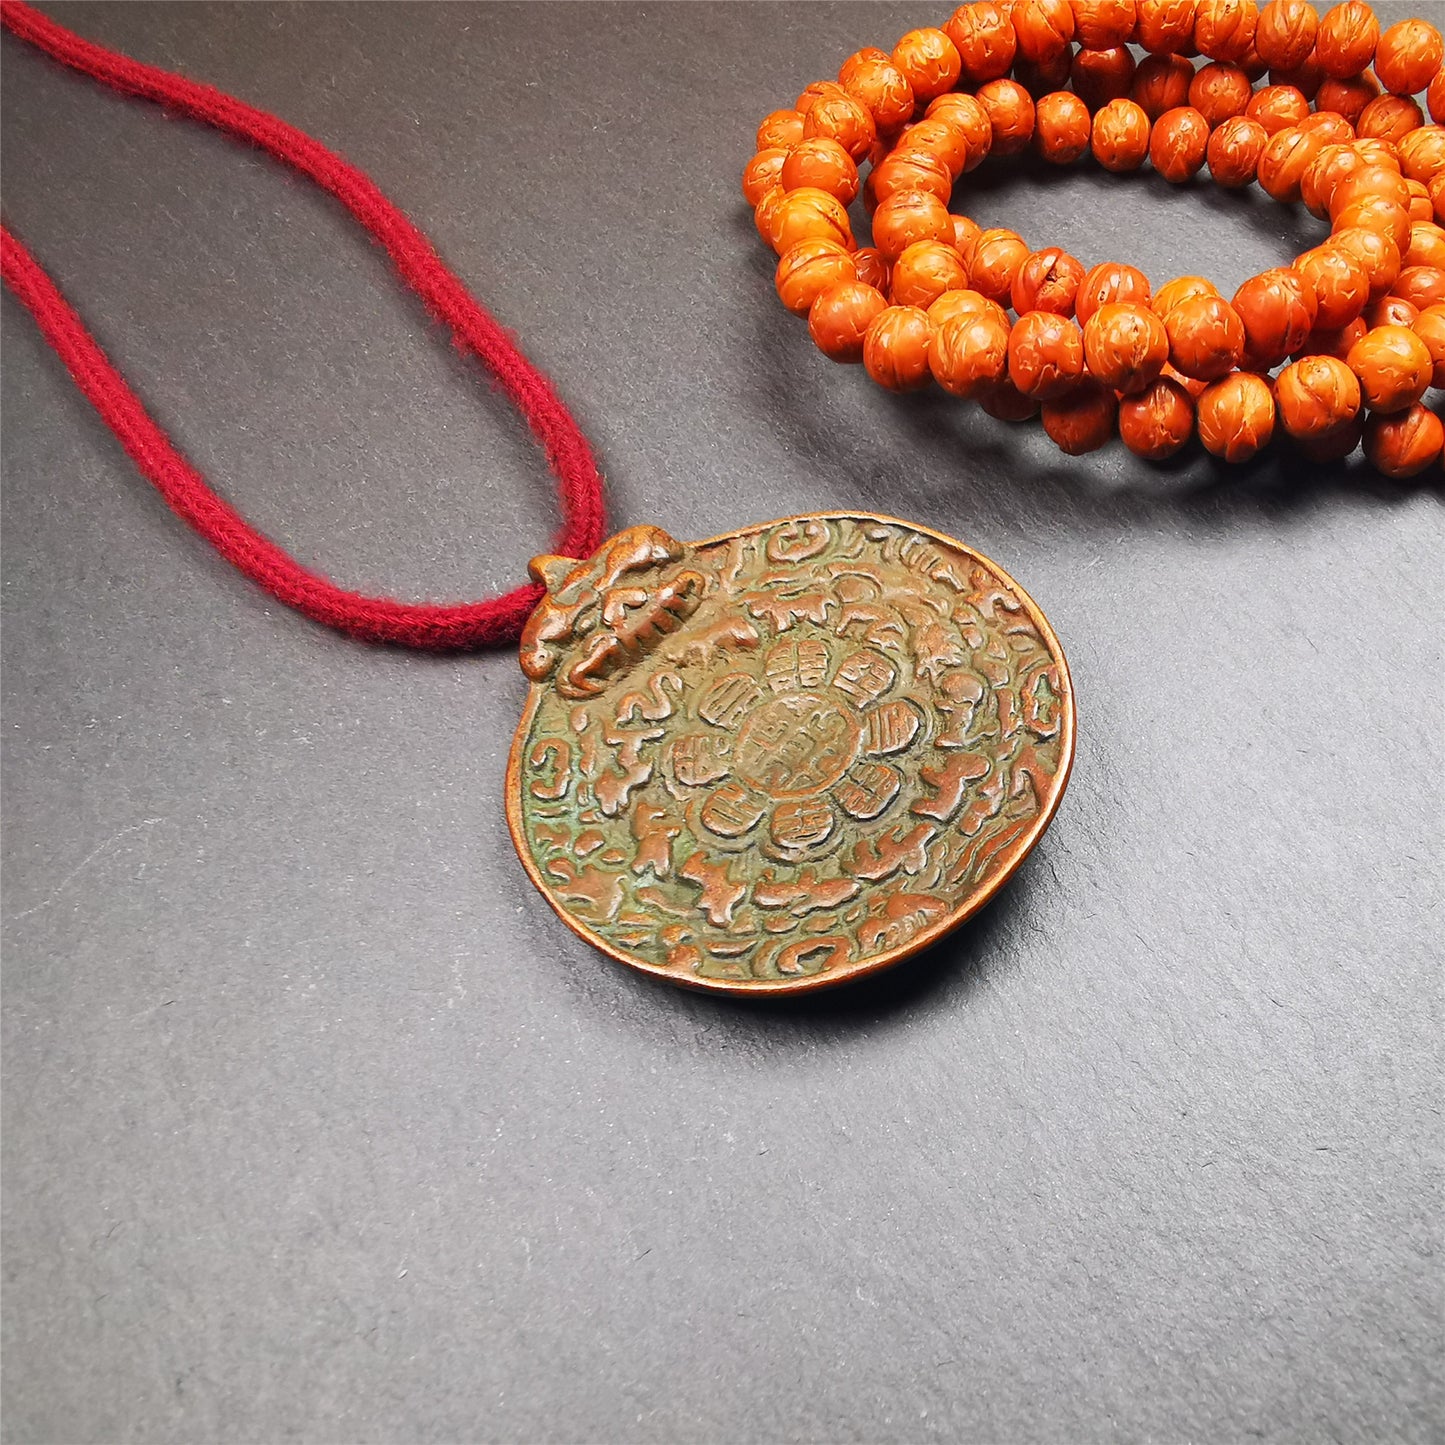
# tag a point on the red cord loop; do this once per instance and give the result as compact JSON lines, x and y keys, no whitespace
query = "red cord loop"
{"x":474,"y":330}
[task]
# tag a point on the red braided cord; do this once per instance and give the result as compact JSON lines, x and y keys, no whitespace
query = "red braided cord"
{"x":473,"y":328}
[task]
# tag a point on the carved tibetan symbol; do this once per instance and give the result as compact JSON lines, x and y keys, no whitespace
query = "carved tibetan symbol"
{"x":784,"y":757}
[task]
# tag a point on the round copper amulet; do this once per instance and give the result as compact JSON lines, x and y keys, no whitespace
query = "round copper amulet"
{"x":785,"y":757}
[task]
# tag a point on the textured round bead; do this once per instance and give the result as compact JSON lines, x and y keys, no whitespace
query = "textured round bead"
{"x":1278,"y":309}
{"x":1082,"y":420}
{"x":909,"y":216}
{"x":1120,"y":137}
{"x":762,"y":173}
{"x":1126,"y":346}
{"x":1429,"y":326}
{"x":808,"y":269}
{"x":1161,"y":83}
{"x":1045,"y":355}
{"x":1047,"y":281}
{"x":824,"y":165}
{"x":1062,"y":127}
{"x":929,"y":62}
{"x":780,"y":130}
{"x":1220,"y":90}
{"x":839,"y":319}
{"x":1158,"y":421}
{"x":843,"y":118}
{"x":1178,"y":142}
{"x":1181,"y":288}
{"x":1224,"y":29}
{"x":1206,"y":337}
{"x":1236,"y":416}
{"x":924,"y":271}
{"x":895,"y":348}
{"x":1405,"y":443}
{"x":1346,"y":40}
{"x":969,"y":352}
{"x":1101,"y":75}
{"x":1316,"y":395}
{"x":878,"y":84}
{"x":1234,"y":150}
{"x":983,"y":35}
{"x":1165,"y":27}
{"x":1042,"y":28}
{"x":1340,"y":283}
{"x":1010,"y":110}
{"x":998,"y":257}
{"x":798,"y":215}
{"x":1106,"y":282}
{"x":1277,"y":107}
{"x":1285,"y":33}
{"x":1394,"y":367}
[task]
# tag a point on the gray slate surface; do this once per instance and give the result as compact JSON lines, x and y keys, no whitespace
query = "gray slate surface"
{"x":319,"y":1126}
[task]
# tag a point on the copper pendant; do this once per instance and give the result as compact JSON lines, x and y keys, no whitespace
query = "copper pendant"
{"x":785,"y":757}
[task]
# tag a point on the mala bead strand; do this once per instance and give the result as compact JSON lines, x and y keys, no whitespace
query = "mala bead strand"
{"x":1320,"y":107}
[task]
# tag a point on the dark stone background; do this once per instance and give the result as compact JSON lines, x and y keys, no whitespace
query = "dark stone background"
{"x":320,"y":1126}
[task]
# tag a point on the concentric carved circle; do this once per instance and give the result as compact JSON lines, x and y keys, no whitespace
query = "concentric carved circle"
{"x":787,"y":756}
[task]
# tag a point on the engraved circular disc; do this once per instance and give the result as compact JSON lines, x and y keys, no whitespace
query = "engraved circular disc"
{"x":787,"y":756}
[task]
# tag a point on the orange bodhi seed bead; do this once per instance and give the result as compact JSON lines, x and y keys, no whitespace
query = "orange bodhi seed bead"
{"x":780,"y":128}
{"x":1126,"y":346}
{"x":1182,"y":288}
{"x":1236,"y":416}
{"x":1331,"y":166}
{"x":1045,"y":355}
{"x":965,"y":113}
{"x":1166,"y":27}
{"x":1010,"y":110}
{"x":808,"y":269}
{"x":1340,"y":283}
{"x":844,"y":118}
{"x":1284,"y":161}
{"x":1178,"y":142}
{"x":874,"y":80}
{"x":1429,"y":326}
{"x":814,"y":93}
{"x":1285,"y":33}
{"x":1435,"y":97}
{"x":1394,"y":367}
{"x":1099,"y":24}
{"x":1120,"y":138}
{"x":968,"y":353}
{"x":871,"y":268}
{"x":1158,"y":421}
{"x":1047,"y":281}
{"x":1224,"y":29}
{"x":1421,"y":286}
{"x":840,"y":317}
{"x":895,"y":348}
{"x":1062,"y":127}
{"x":1278,"y":311}
{"x":909,"y":216}
{"x":1082,"y":420}
{"x":997,"y":257}
{"x":924,"y":271}
{"x":1234,"y":150}
{"x":1099,"y":76}
{"x":762,"y":173}
{"x":1427,"y":245}
{"x":1316,"y":395}
{"x":1390,"y":311}
{"x":940,"y":137}
{"x":1346,"y":98}
{"x":824,"y":165}
{"x":797,"y":215}
{"x":965,"y":237}
{"x":1346,"y":40}
{"x":1108,"y":282}
{"x":1277,"y":107}
{"x":1375,"y":213}
{"x":983,"y":35}
{"x":953,"y":304}
{"x":1332,"y":129}
{"x":1042,"y":28}
{"x":1405,"y":443}
{"x":1161,"y":83}
{"x":1206,"y":337}
{"x":1390,"y":118}
{"x":910,"y":171}
{"x":929,"y":61}
{"x":1220,"y":90}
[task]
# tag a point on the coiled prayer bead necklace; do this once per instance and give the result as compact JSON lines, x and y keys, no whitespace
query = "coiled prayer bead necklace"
{"x":1337,"y":348}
